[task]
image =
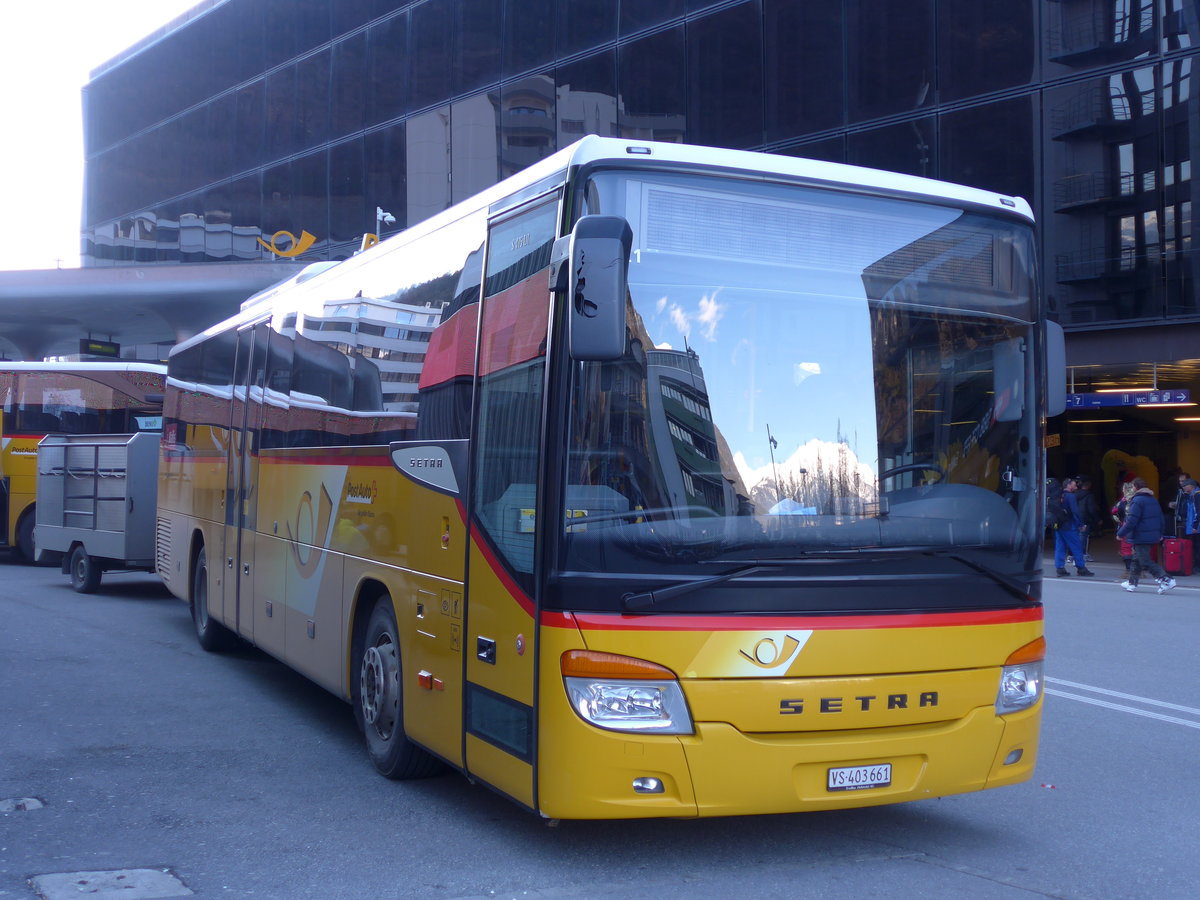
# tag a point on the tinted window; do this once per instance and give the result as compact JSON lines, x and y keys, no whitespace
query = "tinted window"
{"x":1101,"y":221}
{"x":528,"y":34}
{"x":805,"y":67}
{"x":639,"y":14}
{"x":350,"y":14}
{"x":725,"y":107}
{"x":427,"y":137}
{"x":431,"y":48}
{"x":991,"y":147}
{"x":587,"y":98}
{"x":479,"y":51}
{"x":250,"y":126}
{"x":654,"y":96}
{"x":585,"y":23}
{"x":984,"y":45}
{"x":219,"y":138}
{"x":1179,"y":146}
{"x":245,"y":207}
{"x":527,"y":122}
{"x":908,"y":147}
{"x":349,"y":217}
{"x":312,"y":100}
{"x":387,"y":53}
{"x":891,"y":62}
{"x":474,"y":133}
{"x":384,"y":175}
{"x":1080,"y":36}
{"x":310,"y":207}
{"x":280,"y":112}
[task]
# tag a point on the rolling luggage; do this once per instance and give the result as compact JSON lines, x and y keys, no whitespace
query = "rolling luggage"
{"x":1177,"y":556}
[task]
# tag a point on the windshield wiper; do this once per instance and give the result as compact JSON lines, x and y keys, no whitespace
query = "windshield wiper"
{"x":802,"y":556}
{"x":647,"y":599}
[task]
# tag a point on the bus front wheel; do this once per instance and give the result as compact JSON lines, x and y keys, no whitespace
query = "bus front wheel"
{"x":379,"y":701}
{"x":85,"y":574}
{"x":211,"y":634}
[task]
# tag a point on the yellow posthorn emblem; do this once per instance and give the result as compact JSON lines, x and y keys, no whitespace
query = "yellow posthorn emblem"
{"x":296,"y":246}
{"x":767,"y":654}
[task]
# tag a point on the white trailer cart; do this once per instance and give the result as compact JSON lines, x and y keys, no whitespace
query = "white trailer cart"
{"x":96,"y":498}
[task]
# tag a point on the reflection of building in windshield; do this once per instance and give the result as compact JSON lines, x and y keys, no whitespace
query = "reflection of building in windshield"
{"x":682,"y":433}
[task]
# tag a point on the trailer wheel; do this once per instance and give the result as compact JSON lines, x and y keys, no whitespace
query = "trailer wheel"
{"x":85,"y":574}
{"x":211,"y":634}
{"x":379,"y":701}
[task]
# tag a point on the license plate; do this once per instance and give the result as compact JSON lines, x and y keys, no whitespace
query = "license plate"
{"x":859,"y":778}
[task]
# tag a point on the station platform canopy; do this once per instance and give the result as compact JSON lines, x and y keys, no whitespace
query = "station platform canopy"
{"x":46,"y":312}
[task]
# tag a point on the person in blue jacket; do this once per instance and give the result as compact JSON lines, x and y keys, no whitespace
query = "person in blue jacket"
{"x":1068,"y":537}
{"x":1143,"y":527}
{"x":1187,"y":512}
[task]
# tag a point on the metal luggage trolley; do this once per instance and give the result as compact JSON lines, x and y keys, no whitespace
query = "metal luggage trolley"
{"x":96,"y":502}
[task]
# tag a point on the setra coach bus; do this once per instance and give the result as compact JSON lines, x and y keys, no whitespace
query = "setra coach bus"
{"x":655,"y":480}
{"x":40,"y":398}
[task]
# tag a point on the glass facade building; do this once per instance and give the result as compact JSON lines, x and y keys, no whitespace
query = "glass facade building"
{"x":260,"y":127}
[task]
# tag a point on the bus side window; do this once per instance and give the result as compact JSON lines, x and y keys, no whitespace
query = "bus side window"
{"x":276,"y":386}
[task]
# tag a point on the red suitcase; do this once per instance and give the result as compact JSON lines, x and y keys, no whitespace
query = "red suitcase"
{"x":1177,"y":556}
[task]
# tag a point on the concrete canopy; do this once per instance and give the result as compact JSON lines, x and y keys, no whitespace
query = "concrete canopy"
{"x":46,"y":312}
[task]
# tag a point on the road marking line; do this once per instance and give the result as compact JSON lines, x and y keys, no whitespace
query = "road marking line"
{"x":1133,"y":697}
{"x":1121,"y":708}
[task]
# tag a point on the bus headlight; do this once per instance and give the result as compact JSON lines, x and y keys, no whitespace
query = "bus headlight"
{"x":621,"y":693}
{"x":1021,"y":678}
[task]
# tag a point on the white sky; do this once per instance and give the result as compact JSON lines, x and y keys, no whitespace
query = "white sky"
{"x":47,"y":51}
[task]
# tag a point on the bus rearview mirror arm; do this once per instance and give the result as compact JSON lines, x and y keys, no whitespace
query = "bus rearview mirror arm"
{"x":592,"y":266}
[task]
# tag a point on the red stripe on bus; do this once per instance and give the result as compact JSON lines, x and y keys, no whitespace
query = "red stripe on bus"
{"x":497,"y":567}
{"x":343,"y":459}
{"x":618,"y":622}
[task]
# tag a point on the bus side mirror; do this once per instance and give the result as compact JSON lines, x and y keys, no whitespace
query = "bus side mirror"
{"x":1056,"y":370}
{"x":596,"y":284}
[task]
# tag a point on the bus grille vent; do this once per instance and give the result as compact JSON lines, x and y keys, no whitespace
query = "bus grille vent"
{"x":162,"y":548}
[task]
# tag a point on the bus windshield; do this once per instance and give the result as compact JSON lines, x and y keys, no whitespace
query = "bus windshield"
{"x":820,"y":388}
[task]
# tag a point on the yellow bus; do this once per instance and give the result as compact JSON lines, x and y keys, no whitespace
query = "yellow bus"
{"x":655,"y":480}
{"x":41,"y":398}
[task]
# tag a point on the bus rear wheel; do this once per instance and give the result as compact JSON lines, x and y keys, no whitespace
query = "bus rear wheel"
{"x":379,"y":701}
{"x":85,"y":574}
{"x":25,"y":548}
{"x":212,"y":635}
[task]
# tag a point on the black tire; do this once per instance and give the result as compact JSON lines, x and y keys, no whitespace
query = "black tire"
{"x":212,"y":635}
{"x":379,"y":700}
{"x":85,"y":574}
{"x":24,"y":544}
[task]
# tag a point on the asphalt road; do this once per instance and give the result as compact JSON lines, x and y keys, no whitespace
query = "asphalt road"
{"x":162,"y":769}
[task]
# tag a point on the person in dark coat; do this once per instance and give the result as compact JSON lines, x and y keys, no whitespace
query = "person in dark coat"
{"x":1143,"y":527}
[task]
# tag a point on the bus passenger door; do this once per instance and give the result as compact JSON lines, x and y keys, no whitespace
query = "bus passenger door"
{"x":241,"y":494}
{"x":501,"y":617}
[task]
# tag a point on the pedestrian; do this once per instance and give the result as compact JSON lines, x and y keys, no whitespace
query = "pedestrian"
{"x":1187,"y":511}
{"x":1089,"y":512}
{"x":1144,"y":529}
{"x":1118,"y":511}
{"x":1068,"y":535}
{"x":1176,"y":505}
